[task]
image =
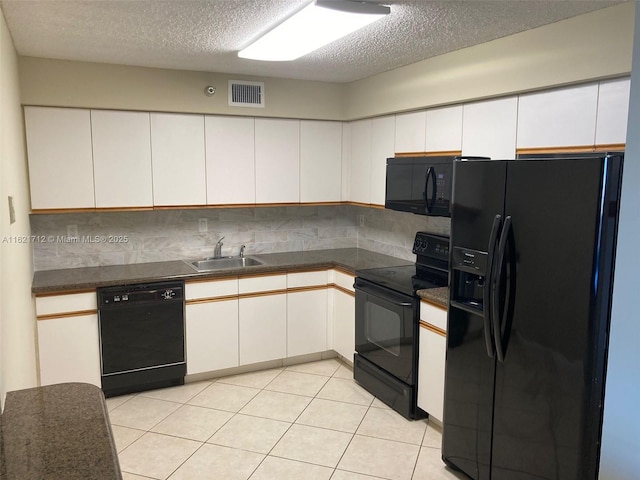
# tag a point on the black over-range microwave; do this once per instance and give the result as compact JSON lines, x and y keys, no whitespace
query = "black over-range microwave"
{"x":420,"y":185}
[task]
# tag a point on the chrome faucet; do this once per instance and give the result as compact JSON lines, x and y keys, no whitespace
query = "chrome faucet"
{"x":241,"y":255}
{"x":217,"y":252}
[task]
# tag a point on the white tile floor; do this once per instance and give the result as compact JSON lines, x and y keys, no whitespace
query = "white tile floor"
{"x":309,"y":421}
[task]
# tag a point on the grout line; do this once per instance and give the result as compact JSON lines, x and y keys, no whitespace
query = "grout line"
{"x":294,"y":422}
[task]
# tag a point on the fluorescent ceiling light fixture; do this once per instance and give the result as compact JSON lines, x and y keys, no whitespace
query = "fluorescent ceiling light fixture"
{"x":316,"y":25}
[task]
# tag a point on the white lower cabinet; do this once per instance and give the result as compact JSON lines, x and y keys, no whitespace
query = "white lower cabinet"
{"x":69,"y":349}
{"x":262,"y":317}
{"x":344,"y":320}
{"x":212,"y":335}
{"x":68,"y":339}
{"x":307,"y":302}
{"x":263,"y":328}
{"x":211,"y":324}
{"x":431,"y":360}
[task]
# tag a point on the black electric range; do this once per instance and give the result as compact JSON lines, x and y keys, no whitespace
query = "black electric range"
{"x":431,"y":269}
{"x":387,"y":322}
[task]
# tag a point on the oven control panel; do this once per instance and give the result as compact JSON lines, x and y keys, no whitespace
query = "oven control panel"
{"x":435,"y":246}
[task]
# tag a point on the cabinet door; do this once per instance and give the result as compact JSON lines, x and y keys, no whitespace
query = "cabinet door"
{"x":263,"y":328}
{"x":489,"y":128}
{"x":431,"y":365}
{"x":230,"y":151}
{"x":69,"y":350}
{"x":431,"y":359}
{"x":122,"y":158}
{"x":558,"y":118}
{"x":177,"y":149}
{"x":307,"y":312}
{"x":60,"y":157}
{"x":346,"y":161}
{"x":382,"y":147}
{"x":344,"y":324}
{"x":320,"y":161}
{"x":444,"y":129}
{"x":360,"y":162}
{"x":307,"y":322}
{"x":212,"y":336}
{"x":410,"y":132}
{"x":613,"y":110}
{"x":277,"y":161}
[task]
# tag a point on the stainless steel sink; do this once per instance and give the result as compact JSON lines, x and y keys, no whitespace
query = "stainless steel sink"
{"x":223,"y":263}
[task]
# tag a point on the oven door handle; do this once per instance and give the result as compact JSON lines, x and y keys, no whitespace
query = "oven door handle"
{"x":370,"y":289}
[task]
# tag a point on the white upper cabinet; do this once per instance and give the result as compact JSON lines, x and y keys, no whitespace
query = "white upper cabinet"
{"x":410,"y":132}
{"x":320,"y":161}
{"x":444,"y":129}
{"x":382,"y":147}
{"x":122,"y":158}
{"x":613,"y":110}
{"x":177,"y":149}
{"x":558,"y":118}
{"x":346,"y":161}
{"x":60,"y":157}
{"x":230,"y":151}
{"x":360,"y":162}
{"x":277,"y":160}
{"x":489,"y":128}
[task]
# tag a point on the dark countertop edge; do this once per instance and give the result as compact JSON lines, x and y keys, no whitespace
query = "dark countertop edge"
{"x":77,"y":279}
{"x":435,"y":296}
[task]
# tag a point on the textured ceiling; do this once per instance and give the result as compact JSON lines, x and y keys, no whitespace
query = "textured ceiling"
{"x":206,"y":35}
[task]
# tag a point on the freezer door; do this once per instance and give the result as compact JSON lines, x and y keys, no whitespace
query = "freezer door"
{"x":478,"y":197}
{"x":549,"y":386}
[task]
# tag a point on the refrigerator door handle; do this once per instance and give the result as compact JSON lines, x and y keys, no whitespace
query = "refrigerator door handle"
{"x":496,"y":286}
{"x":486,"y":299}
{"x":430,"y":173}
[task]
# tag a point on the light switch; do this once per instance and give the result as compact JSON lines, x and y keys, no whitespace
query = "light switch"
{"x":12,"y":211}
{"x":202,"y":225}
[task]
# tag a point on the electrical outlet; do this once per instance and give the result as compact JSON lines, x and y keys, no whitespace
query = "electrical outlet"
{"x":202,"y":225}
{"x":361,"y":220}
{"x":72,"y":231}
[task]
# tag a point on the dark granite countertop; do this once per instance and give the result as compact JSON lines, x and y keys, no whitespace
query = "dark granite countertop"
{"x":85,"y":278}
{"x":436,"y":296}
{"x":58,"y":432}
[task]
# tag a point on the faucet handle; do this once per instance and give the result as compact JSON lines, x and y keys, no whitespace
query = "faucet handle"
{"x":220,"y":240}
{"x":242,"y":251}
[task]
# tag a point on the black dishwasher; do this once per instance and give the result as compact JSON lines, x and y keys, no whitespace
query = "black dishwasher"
{"x":141,"y":337}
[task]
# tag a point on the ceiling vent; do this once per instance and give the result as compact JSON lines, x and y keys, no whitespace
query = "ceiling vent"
{"x":246,"y":94}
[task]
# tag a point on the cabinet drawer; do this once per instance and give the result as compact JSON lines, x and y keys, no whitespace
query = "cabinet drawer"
{"x":67,"y":303}
{"x":307,"y":279}
{"x":342,"y":280}
{"x":211,"y":289}
{"x":262,"y":283}
{"x":433,"y":315}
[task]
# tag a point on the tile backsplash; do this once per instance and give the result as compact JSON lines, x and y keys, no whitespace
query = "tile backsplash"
{"x":111,"y":238}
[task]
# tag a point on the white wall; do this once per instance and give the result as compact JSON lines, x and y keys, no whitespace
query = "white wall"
{"x":592,"y":46}
{"x":620,"y":459}
{"x":583,"y":48}
{"x":17,"y":313}
{"x":82,"y":84}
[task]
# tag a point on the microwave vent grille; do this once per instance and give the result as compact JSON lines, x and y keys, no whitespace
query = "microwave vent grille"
{"x":246,"y":94}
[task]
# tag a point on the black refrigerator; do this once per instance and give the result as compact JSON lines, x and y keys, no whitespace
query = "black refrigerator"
{"x":532,"y":256}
